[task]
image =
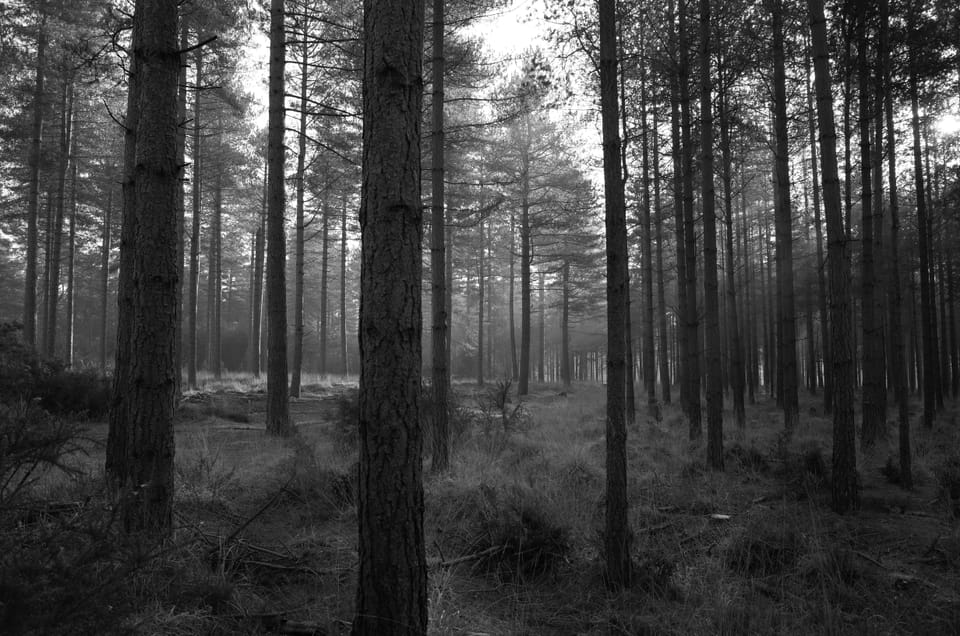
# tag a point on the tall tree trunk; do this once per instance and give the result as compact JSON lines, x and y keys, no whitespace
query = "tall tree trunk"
{"x":71,"y":262}
{"x":345,"y":369}
{"x":120,"y":435}
{"x":392,"y":579}
{"x":926,"y":297}
{"x":617,"y":537}
{"x":515,"y":370}
{"x":664,"y":342}
{"x":278,"y":400}
{"x":149,"y":368}
{"x":214,"y":267}
{"x":711,"y":298}
{"x":181,"y":195}
{"x":649,"y":357}
{"x":105,"y":279}
{"x":440,"y":372}
{"x":256,"y":299}
{"x":481,"y":287}
{"x":526,"y":258}
{"x":565,"y":326}
{"x":821,"y":263}
{"x":784,"y":214}
{"x":692,"y":317}
{"x":324,"y":294}
{"x":844,"y":483}
{"x":56,"y":241}
{"x":873,"y":407}
{"x":898,"y":359}
{"x":733,"y":323}
{"x":541,"y":329}
{"x":33,"y":190}
{"x":300,"y":240}
{"x":681,"y":260}
{"x":196,"y":191}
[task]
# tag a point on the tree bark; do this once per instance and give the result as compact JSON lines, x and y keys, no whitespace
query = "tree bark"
{"x":56,"y":240}
{"x":324,"y":293}
{"x":194,"y":283}
{"x":617,"y":537}
{"x":440,"y":373}
{"x":787,"y":339}
{"x":300,"y":240}
{"x":392,"y":581}
{"x":664,"y":341}
{"x":345,"y":369}
{"x":711,"y":298}
{"x":278,"y":400}
{"x":649,"y":356}
{"x":105,"y":279}
{"x":515,"y":370}
{"x":845,"y":493}
{"x":71,"y":263}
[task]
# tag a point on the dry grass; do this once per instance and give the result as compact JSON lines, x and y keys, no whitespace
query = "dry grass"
{"x":267,"y":527}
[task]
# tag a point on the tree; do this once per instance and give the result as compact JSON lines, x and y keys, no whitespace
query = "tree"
{"x":145,"y":463}
{"x":617,"y":537}
{"x":711,"y":301}
{"x":392,"y":581}
{"x":844,"y":485}
{"x":278,"y":400}
{"x":33,"y":204}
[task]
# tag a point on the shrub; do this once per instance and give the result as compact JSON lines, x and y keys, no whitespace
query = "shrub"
{"x":498,"y":408}
{"x":746,"y":459}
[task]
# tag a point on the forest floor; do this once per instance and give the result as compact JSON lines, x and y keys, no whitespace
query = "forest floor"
{"x":266,"y":527}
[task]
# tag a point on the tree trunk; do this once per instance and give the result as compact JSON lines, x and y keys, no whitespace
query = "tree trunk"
{"x":649,"y":356}
{"x":787,"y":312}
{"x":733,"y":323}
{"x":105,"y":279}
{"x":71,"y":262}
{"x":278,"y":400}
{"x":194,"y":283}
{"x":844,"y":477}
{"x":300,"y":240}
{"x":33,"y":194}
{"x":664,"y":341}
{"x":541,"y":327}
{"x":392,"y":581}
{"x":345,"y":369}
{"x":440,"y":373}
{"x":515,"y":371}
{"x":56,"y":241}
{"x":565,"y":327}
{"x":691,"y":318}
{"x":526,"y":258}
{"x":681,"y":261}
{"x":215,"y":275}
{"x":898,"y":359}
{"x":256,"y":297}
{"x":873,"y":407}
{"x":149,"y":367}
{"x":617,"y":537}
{"x":711,"y":299}
{"x":481,"y":287}
{"x":926,"y":300}
{"x":324,"y":294}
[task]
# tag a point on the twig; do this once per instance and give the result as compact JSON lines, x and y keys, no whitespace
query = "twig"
{"x":869,"y":558}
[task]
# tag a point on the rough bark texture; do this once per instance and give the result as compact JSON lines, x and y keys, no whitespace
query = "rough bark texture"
{"x":278,"y":400}
{"x":617,"y":537}
{"x":440,"y":373}
{"x":149,"y":370}
{"x":392,"y":580}
{"x":844,"y":483}
{"x":787,"y":336}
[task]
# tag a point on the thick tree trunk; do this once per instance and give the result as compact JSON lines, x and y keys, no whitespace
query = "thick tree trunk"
{"x":787,"y":339}
{"x":392,"y":579}
{"x":278,"y":400}
{"x":711,"y":298}
{"x":33,"y":189}
{"x":196,"y":191}
{"x":844,"y":476}
{"x":440,"y":371}
{"x":617,"y":536}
